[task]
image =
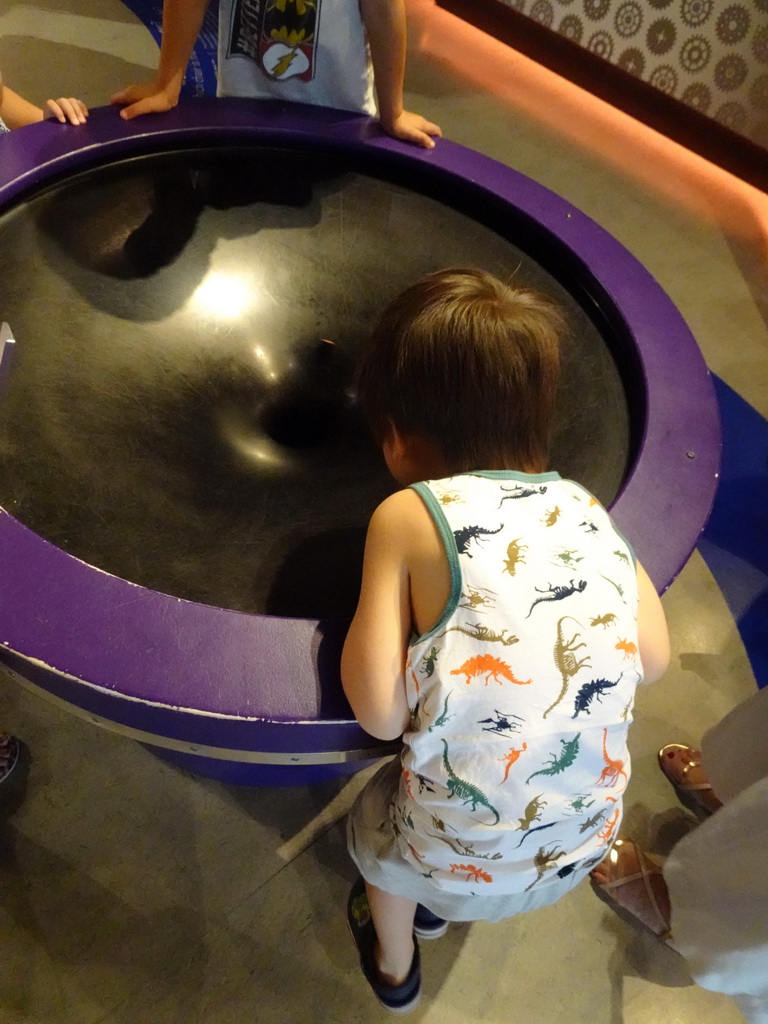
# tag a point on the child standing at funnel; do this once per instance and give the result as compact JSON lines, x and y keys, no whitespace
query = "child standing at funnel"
{"x":502,"y":628}
{"x":323,"y":52}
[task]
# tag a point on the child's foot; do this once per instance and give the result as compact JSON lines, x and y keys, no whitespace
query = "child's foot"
{"x":682,"y":766}
{"x":427,"y":925}
{"x":399,"y":998}
{"x":9,"y":755}
{"x":630,"y":880}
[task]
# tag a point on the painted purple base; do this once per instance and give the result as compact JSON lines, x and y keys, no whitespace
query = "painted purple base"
{"x":235,"y":773}
{"x":214,"y":686}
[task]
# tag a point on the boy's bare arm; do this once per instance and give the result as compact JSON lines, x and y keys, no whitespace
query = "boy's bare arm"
{"x":653,"y":635}
{"x":384,"y":22}
{"x":182,"y":21}
{"x":18,"y":112}
{"x":373,"y":661}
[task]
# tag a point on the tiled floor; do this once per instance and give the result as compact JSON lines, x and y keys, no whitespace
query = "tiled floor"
{"x":132,"y":892}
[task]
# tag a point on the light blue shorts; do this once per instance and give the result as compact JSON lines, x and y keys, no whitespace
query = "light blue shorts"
{"x":374,"y":849}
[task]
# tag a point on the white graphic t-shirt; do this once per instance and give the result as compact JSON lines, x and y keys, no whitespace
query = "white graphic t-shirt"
{"x":304,"y":51}
{"x":521,"y":696}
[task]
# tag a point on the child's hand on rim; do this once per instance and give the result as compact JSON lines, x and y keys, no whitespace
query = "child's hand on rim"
{"x":413,"y":128}
{"x":66,"y":109}
{"x":148,"y":98}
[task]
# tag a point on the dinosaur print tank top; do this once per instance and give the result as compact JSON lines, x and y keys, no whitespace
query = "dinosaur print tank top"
{"x":521,"y":695}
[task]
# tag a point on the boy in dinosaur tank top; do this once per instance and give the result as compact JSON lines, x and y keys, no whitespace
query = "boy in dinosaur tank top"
{"x":502,"y":627}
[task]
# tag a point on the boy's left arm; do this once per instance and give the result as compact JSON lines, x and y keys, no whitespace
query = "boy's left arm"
{"x":384,"y":22}
{"x":18,"y":112}
{"x":373,"y":660}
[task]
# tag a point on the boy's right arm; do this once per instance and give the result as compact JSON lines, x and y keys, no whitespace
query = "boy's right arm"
{"x":653,"y":635}
{"x":373,"y":659}
{"x":182,"y":21}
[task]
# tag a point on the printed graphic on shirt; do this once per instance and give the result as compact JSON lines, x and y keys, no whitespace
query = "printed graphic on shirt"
{"x":479,"y":631}
{"x":501,"y":723}
{"x":595,"y":688}
{"x":614,"y":768}
{"x":467,"y":534}
{"x":279,"y":35}
{"x":564,"y":651}
{"x":521,"y":492}
{"x":464,"y":790}
{"x":545,"y":860}
{"x":444,"y":717}
{"x":510,"y":758}
{"x":560,"y":761}
{"x":515,"y":555}
{"x":488,"y":667}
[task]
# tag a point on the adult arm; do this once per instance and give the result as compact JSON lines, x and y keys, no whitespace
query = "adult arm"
{"x":373,"y":660}
{"x":653,"y":635}
{"x":182,"y":21}
{"x":384,"y":22}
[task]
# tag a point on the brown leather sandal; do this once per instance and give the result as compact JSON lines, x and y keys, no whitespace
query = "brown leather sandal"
{"x":627,"y":865}
{"x":698,"y":797}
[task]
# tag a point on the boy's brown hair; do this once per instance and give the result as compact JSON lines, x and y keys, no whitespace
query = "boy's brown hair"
{"x":469,"y":364}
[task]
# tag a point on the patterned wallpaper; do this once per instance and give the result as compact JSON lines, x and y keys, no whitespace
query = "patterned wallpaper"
{"x":711,"y":54}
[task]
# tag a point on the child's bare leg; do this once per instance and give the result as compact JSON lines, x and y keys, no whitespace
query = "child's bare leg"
{"x":393,"y":921}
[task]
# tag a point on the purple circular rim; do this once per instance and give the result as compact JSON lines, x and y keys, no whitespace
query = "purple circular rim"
{"x":205,"y":674}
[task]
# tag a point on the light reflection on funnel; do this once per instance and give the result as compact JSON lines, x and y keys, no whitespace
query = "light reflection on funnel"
{"x":225,"y":296}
